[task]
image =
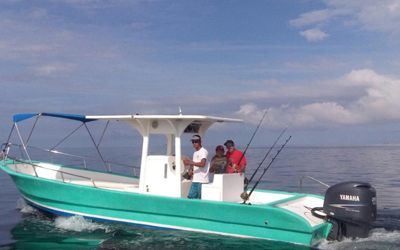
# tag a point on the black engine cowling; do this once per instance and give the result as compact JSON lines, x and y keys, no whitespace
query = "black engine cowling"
{"x":351,"y":208}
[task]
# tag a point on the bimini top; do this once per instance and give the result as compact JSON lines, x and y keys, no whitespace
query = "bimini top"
{"x":82,"y":118}
{"x":146,"y":124}
{"x":89,"y":118}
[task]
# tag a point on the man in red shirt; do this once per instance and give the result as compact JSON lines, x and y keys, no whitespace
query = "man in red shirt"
{"x":235,"y":158}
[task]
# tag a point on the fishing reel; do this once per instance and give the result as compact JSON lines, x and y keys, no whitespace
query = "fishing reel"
{"x":245,"y":196}
{"x":234,"y":166}
{"x":188,"y":175}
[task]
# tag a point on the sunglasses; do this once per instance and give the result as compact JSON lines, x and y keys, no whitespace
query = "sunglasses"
{"x":195,"y":141}
{"x":228,"y":145}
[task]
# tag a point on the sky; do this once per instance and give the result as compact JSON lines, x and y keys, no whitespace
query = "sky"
{"x":329,"y":70}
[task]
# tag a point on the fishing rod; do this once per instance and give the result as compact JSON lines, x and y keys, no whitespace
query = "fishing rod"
{"x":244,"y":152}
{"x":273,"y":145}
{"x":246,"y":196}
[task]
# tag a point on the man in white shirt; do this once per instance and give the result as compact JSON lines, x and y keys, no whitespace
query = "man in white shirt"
{"x":201,"y":167}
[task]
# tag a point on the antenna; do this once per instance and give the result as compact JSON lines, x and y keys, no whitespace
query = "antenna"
{"x":180,"y":110}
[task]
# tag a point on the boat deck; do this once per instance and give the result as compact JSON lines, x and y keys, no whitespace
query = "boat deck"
{"x":81,"y":177}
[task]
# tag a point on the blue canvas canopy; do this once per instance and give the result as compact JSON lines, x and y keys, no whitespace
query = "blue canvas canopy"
{"x":82,"y":118}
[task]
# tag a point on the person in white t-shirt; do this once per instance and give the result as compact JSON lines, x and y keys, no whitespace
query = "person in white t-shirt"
{"x":201,"y":168}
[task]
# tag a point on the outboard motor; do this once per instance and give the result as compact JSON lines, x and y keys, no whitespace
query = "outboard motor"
{"x":351,"y":208}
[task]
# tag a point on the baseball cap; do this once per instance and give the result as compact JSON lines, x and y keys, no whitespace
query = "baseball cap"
{"x":228,"y":142}
{"x":219,"y":147}
{"x":196,"y":138}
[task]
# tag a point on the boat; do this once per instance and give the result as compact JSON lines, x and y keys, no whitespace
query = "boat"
{"x":157,"y":196}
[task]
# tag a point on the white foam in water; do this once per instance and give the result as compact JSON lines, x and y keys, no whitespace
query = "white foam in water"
{"x":25,"y":208}
{"x":74,"y":223}
{"x":380,"y":234}
{"x":379,"y":239}
{"x":78,"y":224}
{"x":21,"y":204}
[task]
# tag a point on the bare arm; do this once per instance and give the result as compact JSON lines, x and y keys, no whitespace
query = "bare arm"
{"x":200,"y":164}
{"x":241,"y":168}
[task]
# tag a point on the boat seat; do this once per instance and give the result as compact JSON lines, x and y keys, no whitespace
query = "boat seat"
{"x":186,"y":184}
{"x":225,"y":187}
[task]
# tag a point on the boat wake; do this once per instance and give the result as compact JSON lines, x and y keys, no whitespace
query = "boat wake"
{"x":75,"y":223}
{"x":79,"y":224}
{"x":28,"y":210}
{"x":379,"y":239}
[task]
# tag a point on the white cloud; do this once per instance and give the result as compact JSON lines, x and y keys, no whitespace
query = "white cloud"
{"x":381,"y":15}
{"x":378,"y":103}
{"x":314,"y":115}
{"x":54,"y":69}
{"x":359,"y":97}
{"x":313,"y":35}
{"x":320,"y":64}
{"x":311,"y":17}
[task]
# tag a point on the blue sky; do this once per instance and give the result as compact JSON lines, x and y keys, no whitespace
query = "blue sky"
{"x":327,"y":69}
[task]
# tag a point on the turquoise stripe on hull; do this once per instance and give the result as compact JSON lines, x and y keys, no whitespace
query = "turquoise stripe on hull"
{"x":165,"y":212}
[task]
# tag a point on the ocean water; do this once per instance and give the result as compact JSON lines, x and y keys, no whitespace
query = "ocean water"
{"x":24,"y":227}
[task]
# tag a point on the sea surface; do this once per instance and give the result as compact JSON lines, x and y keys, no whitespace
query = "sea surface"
{"x":24,"y":227}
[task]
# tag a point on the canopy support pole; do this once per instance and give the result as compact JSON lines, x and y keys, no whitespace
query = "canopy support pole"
{"x":102,"y":135}
{"x":22,"y":142}
{"x":67,"y":137}
{"x":34,"y":125}
{"x":97,"y":148}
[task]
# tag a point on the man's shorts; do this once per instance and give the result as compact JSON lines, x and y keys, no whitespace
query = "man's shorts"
{"x":195,"y":191}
